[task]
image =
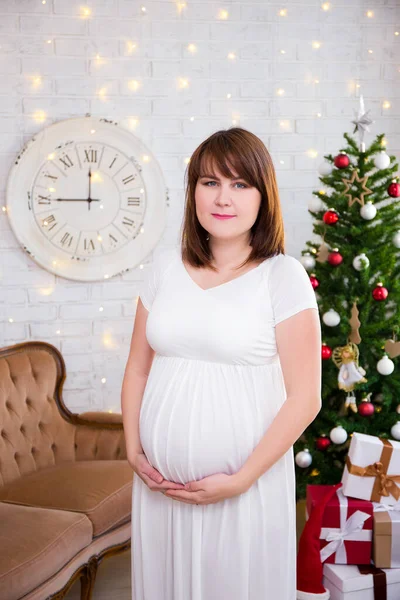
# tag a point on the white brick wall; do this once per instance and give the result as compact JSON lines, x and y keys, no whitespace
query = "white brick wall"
{"x":95,"y":343}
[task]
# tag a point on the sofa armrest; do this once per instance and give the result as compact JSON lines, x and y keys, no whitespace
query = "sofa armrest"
{"x":99,"y":436}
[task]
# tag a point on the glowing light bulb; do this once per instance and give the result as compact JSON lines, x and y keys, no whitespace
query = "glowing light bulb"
{"x":103,"y":380}
{"x":231,"y":55}
{"x":192,"y":48}
{"x":11,"y":320}
{"x":326,"y":6}
{"x":101,"y":308}
{"x":370,"y":14}
{"x":223,"y":14}
{"x":316,"y":45}
{"x":145,"y":158}
{"x":229,"y":95}
{"x":50,"y":156}
{"x":92,"y":131}
{"x":283,"y":12}
{"x":386,"y":104}
{"x":280,"y":91}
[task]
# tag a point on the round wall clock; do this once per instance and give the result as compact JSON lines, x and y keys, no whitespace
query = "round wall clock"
{"x":86,"y":199}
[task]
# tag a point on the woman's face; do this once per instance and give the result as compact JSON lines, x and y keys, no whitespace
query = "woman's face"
{"x":215,"y":194}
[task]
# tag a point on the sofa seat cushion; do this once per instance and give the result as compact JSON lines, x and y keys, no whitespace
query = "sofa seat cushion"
{"x":100,"y":489}
{"x":35,"y":543}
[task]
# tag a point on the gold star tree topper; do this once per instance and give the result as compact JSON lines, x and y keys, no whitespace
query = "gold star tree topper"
{"x":348,"y":183}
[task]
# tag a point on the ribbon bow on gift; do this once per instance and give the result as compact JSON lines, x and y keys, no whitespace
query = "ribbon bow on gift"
{"x":337,"y":538}
{"x":384,"y":484}
{"x":378,"y":507}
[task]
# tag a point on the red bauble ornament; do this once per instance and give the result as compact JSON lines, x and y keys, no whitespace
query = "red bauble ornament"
{"x":314,"y":281}
{"x":331,"y":217}
{"x":322,"y":443}
{"x":366,"y":409}
{"x":394,"y":189}
{"x":341,"y":160}
{"x":326,"y":352}
{"x":335,"y":258}
{"x":380,"y":292}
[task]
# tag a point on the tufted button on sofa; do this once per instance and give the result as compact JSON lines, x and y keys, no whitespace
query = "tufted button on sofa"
{"x":65,"y":482}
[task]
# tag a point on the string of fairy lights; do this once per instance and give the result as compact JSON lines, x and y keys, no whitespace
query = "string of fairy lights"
{"x":182,"y":82}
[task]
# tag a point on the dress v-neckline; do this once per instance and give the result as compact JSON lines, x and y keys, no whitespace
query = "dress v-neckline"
{"x":220,"y":284}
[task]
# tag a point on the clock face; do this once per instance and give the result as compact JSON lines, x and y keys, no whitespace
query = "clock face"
{"x":86,"y":199}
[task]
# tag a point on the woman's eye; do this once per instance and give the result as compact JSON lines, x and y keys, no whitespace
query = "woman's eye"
{"x":237,"y":183}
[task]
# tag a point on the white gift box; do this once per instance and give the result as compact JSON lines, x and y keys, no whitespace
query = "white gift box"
{"x":368,"y":455}
{"x":345,"y":582}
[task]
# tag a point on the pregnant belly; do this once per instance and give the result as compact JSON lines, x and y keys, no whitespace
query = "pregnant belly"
{"x":195,"y":424}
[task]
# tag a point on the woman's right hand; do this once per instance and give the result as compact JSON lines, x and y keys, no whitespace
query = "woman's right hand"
{"x":150,"y":476}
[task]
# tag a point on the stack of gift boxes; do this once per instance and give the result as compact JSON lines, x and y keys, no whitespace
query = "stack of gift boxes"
{"x":360,"y":529}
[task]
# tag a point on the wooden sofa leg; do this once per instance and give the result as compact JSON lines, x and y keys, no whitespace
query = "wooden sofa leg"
{"x":88,"y":579}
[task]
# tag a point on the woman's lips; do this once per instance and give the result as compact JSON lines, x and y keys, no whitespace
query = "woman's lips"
{"x":224,"y":216}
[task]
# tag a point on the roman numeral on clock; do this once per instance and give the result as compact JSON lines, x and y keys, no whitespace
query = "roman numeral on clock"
{"x":66,"y":239}
{"x":128,"y":222}
{"x":66,"y":161}
{"x":128,"y":179}
{"x":134,"y":201}
{"x":47,"y":220}
{"x":88,"y":245}
{"x":91,"y":155}
{"x":44,"y":199}
{"x":110,"y":235}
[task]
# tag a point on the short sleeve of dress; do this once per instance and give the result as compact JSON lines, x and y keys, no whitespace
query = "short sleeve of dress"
{"x":290,"y":288}
{"x":153,"y":274}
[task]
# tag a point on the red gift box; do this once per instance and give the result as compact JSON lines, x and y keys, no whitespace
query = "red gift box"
{"x":346,"y":532}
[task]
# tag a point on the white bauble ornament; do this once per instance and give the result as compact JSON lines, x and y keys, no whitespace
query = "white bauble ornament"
{"x":331,"y":318}
{"x":396,"y":239}
{"x":368,"y":211}
{"x":338,"y":435}
{"x":303,"y":458}
{"x":385,"y":366}
{"x":395,"y":431}
{"x":325,"y":168}
{"x":361,"y":262}
{"x":382,"y":160}
{"x":315,"y":204}
{"x":308,"y":261}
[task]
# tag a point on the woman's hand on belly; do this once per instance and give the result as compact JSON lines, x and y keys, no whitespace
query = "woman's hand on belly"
{"x":208,"y":490}
{"x":150,"y":476}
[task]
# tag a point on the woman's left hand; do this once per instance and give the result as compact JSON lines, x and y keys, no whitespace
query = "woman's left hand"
{"x":208,"y":490}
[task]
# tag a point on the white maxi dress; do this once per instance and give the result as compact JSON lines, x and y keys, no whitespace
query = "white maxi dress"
{"x":214,"y":388}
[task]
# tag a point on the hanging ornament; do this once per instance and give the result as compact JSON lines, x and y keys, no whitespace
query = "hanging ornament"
{"x":392,"y":347}
{"x":323,"y":251}
{"x":355,"y":325}
{"x":331,"y":217}
{"x":325,"y":168}
{"x":395,"y":431}
{"x":362,"y":121}
{"x":308,"y":261}
{"x":341,"y":161}
{"x":350,"y":373}
{"x":350,"y":402}
{"x":335,"y":258}
{"x":394,"y":189}
{"x":315,"y":204}
{"x":396,"y":239}
{"x":366,"y":408}
{"x":398,"y":409}
{"x":322,"y":443}
{"x":349,"y":182}
{"x":380,"y":293}
{"x":368,"y":211}
{"x":382,"y":160}
{"x":361,"y":262}
{"x":385,"y":366}
{"x":331,"y":318}
{"x":338,"y":435}
{"x":314,"y":281}
{"x":303,"y":458}
{"x":326,"y":352}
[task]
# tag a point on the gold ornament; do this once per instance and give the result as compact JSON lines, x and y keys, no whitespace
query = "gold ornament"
{"x":348,"y":183}
{"x":392,"y":347}
{"x":314,"y":473}
{"x":350,"y":373}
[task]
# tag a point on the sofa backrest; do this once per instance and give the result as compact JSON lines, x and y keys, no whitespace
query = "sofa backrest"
{"x":33,"y":432}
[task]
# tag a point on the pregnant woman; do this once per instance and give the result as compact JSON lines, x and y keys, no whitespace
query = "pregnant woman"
{"x":222,"y":378}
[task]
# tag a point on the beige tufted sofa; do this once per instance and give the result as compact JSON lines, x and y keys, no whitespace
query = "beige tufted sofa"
{"x":65,"y":483}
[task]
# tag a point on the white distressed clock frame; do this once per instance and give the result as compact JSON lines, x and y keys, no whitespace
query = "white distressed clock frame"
{"x":86,"y":199}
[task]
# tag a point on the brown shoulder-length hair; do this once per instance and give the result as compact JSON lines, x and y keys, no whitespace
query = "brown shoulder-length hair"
{"x":247,"y":154}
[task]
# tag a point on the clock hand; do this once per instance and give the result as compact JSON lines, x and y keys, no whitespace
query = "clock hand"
{"x":90,"y":181}
{"x":76,"y":200}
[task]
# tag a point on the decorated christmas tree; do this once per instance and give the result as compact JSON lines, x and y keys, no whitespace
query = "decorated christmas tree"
{"x":354,"y":269}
